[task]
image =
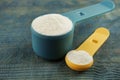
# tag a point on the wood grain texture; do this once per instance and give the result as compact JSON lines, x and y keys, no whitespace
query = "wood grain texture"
{"x":17,"y":59}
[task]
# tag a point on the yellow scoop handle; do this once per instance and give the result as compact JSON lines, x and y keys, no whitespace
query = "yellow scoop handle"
{"x":94,"y":42}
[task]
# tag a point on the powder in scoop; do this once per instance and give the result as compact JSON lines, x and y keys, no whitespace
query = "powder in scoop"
{"x":52,"y":25}
{"x":79,"y":57}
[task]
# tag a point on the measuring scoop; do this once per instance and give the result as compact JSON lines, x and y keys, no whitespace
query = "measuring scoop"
{"x":52,"y":34}
{"x":82,"y":58}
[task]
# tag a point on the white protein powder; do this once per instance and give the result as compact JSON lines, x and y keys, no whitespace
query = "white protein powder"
{"x":52,"y":25}
{"x":79,"y":57}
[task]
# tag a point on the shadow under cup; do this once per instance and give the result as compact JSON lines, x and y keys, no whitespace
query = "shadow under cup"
{"x":52,"y":47}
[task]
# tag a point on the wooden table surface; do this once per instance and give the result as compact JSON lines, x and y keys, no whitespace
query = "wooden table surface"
{"x":19,"y":62}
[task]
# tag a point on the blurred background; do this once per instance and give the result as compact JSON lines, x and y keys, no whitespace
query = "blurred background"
{"x":19,"y":62}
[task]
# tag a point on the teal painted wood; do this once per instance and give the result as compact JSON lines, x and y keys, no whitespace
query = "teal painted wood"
{"x":19,"y":62}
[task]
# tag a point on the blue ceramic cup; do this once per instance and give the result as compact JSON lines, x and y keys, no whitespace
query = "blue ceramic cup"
{"x":53,"y":47}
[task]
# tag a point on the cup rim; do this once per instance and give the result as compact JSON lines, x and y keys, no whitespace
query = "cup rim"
{"x":52,"y":37}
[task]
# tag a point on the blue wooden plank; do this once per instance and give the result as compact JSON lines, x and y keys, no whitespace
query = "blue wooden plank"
{"x":17,"y":59}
